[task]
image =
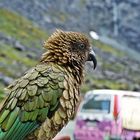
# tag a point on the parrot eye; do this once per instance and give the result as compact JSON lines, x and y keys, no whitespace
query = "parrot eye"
{"x":78,"y":46}
{"x":81,"y":46}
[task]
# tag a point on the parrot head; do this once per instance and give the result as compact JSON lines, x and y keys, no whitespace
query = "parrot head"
{"x":68,"y":48}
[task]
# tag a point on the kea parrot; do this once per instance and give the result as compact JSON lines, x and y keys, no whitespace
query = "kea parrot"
{"x":44,"y":99}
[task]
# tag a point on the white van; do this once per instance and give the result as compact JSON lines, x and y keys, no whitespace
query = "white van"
{"x":108,"y":114}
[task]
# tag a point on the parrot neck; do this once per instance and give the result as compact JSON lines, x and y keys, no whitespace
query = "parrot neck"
{"x":77,"y":72}
{"x":79,"y":78}
{"x":76,"y":68}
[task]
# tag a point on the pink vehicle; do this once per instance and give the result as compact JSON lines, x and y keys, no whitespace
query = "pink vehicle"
{"x":108,"y":115}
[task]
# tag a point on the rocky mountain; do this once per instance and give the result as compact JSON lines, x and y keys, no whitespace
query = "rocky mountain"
{"x":24,"y":25}
{"x":119,"y":19}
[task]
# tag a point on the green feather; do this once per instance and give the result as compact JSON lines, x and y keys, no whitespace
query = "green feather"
{"x":8,"y":122}
{"x":35,"y":113}
{"x":3,"y":115}
{"x":18,"y":131}
{"x":30,"y":103}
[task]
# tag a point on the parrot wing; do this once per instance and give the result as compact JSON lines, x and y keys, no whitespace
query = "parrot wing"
{"x":31,"y":99}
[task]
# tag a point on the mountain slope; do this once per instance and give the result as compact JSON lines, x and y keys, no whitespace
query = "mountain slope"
{"x":116,"y":18}
{"x":116,"y":70}
{"x":21,"y":46}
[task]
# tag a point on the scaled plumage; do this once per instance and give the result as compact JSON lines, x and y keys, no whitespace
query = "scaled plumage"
{"x":41,"y":102}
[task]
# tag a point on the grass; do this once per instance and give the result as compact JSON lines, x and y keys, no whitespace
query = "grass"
{"x":12,"y":54}
{"x":24,"y":31}
{"x":108,"y":49}
{"x":21,"y":29}
{"x":94,"y":83}
{"x":13,"y":62}
{"x":115,"y":67}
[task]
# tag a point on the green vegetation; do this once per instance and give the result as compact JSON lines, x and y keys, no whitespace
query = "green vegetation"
{"x":94,"y":83}
{"x":60,"y":15}
{"x":117,"y":67}
{"x":110,"y":84}
{"x":12,"y":54}
{"x":108,"y":49}
{"x":13,"y":62}
{"x":20,"y":28}
{"x":26,"y":33}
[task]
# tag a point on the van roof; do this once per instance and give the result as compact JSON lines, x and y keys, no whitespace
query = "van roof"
{"x":114,"y":92}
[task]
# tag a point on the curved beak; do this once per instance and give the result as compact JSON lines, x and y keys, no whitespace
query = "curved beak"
{"x":91,"y":57}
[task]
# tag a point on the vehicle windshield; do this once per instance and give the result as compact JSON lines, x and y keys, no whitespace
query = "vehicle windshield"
{"x":97,"y":104}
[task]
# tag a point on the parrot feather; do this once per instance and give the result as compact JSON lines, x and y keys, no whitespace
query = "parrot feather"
{"x":27,"y":107}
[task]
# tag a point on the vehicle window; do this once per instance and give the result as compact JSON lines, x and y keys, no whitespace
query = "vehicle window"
{"x":97,"y":103}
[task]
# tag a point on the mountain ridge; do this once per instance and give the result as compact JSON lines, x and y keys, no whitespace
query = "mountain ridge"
{"x":119,"y":19}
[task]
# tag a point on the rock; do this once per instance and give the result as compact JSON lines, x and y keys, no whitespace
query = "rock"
{"x":9,"y":40}
{"x":5,"y":79}
{"x":19,"y":46}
